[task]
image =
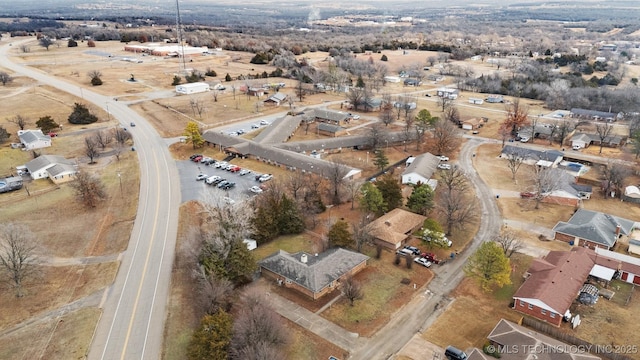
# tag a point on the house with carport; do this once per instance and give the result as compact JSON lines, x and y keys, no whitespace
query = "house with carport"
{"x":593,"y":229}
{"x":313,"y":275}
{"x":392,"y":229}
{"x":546,"y":158}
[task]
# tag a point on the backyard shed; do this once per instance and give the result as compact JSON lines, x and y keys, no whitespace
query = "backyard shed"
{"x":192,"y":88}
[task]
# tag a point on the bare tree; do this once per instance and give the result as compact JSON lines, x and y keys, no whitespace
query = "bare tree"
{"x":88,"y":189}
{"x":46,"y":42}
{"x":215,"y":293}
{"x":452,"y":114}
{"x":514,"y":161}
{"x":444,"y":102}
{"x":362,"y":231}
{"x":197,"y":107}
{"x":353,"y":188}
{"x":95,"y":76}
{"x":351,"y":289}
{"x":454,"y":180}
{"x":117,"y":150}
{"x":603,"y":131}
{"x":295,"y":183}
{"x":564,"y":129}
{"x":20,"y":121}
{"x":517,"y":115}
{"x":509,"y":242}
{"x":457,"y":209}
{"x":377,"y":135}
{"x":5,"y":78}
{"x":446,"y":137}
{"x":335,"y":173}
{"x":102,"y":138}
{"x":386,"y":110}
{"x":613,"y":177}
{"x":25,"y":48}
{"x":17,"y":255}
{"x":121,"y":136}
{"x":257,"y":331}
{"x":545,"y":181}
{"x":91,"y":149}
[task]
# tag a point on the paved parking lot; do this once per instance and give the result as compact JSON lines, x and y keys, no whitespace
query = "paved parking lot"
{"x":196,"y":190}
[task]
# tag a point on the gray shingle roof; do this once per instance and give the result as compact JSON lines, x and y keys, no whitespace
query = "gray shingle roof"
{"x":58,"y":169}
{"x":45,"y":161}
{"x":338,"y":142}
{"x":330,"y":128}
{"x":424,"y":165}
{"x":31,"y":136}
{"x":595,"y":226}
{"x":588,"y":138}
{"x":221,"y":139}
{"x":547,"y":155}
{"x":585,"y":112}
{"x":330,"y":115}
{"x":277,"y":97}
{"x":279,"y":131}
{"x":319,"y":271}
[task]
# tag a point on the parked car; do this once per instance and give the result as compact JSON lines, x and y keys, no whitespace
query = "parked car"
{"x":52,"y":134}
{"x":255,"y":189}
{"x":217,"y":181}
{"x":432,"y":258}
{"x":255,"y":126}
{"x":264,"y":122}
{"x":527,"y":194}
{"x":444,"y":166}
{"x":197,"y":159}
{"x":354,"y":116}
{"x":422,"y":261}
{"x":211,"y":179}
{"x":405,"y":252}
{"x":206,"y":160}
{"x":243,"y":172}
{"x":228,"y":185}
{"x":132,"y":124}
{"x":194,"y":156}
{"x":524,"y":139}
{"x":201,"y":177}
{"x":442,"y":157}
{"x":235,"y":168}
{"x":222,"y":184}
{"x":265,"y":177}
{"x":241,"y":131}
{"x":221,"y":164}
{"x":228,"y":200}
{"x":414,"y":250}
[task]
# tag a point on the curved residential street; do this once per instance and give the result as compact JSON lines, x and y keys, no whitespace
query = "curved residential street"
{"x":132,"y":322}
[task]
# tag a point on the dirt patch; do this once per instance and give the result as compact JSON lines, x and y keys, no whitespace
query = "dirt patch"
{"x":307,"y":345}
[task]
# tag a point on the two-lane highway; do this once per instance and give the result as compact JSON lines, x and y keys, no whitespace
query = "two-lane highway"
{"x":132,"y":323}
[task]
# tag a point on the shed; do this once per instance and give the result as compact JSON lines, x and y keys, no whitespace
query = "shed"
{"x":192,"y":88}
{"x":634,"y":246}
{"x":476,"y":101}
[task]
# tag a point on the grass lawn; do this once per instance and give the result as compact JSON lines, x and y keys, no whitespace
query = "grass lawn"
{"x":288,"y":243}
{"x":383,"y":294}
{"x":474,"y":312}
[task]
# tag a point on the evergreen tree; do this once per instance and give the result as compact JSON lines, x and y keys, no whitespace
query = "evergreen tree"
{"x":46,"y":124}
{"x":384,"y":58}
{"x":227,"y":78}
{"x":421,"y":199}
{"x":381,"y":161}
{"x":371,"y":199}
{"x":81,"y":115}
{"x":391,"y":191}
{"x":339,"y":235}
{"x":212,"y":339}
{"x":360,"y":82}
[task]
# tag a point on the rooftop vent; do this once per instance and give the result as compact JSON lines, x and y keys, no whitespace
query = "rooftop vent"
{"x":303,"y":258}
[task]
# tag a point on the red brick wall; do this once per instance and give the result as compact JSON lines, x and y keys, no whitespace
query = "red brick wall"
{"x":536,"y":312}
{"x":564,"y":237}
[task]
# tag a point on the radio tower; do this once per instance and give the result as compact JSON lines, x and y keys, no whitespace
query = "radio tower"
{"x":179,"y":33}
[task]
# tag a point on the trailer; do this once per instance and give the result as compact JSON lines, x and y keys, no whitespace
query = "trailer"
{"x":192,"y":88}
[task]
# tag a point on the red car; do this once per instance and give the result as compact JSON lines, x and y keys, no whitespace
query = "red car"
{"x":52,"y":134}
{"x":235,"y":169}
{"x":527,"y":195}
{"x":431,"y":257}
{"x":197,"y":159}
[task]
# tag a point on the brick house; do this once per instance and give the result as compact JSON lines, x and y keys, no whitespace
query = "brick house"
{"x":312,"y":275}
{"x":593,"y":229}
{"x":552,"y":284}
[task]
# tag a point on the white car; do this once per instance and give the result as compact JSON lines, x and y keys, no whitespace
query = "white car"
{"x":422,"y":261}
{"x":255,"y":189}
{"x":265,"y":177}
{"x":442,"y":157}
{"x":255,"y":126}
{"x":524,"y":139}
{"x":211,"y":179}
{"x":201,"y":177}
{"x":228,"y":200}
{"x":243,"y":172}
{"x":264,"y":122}
{"x":444,"y":166}
{"x":233,"y":133}
{"x":355,"y":116}
{"x":241,"y":131}
{"x":221,"y":165}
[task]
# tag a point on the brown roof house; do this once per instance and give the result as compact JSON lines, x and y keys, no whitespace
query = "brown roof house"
{"x":553,"y":283}
{"x":392,"y":229}
{"x":515,"y":342}
{"x":312,"y":275}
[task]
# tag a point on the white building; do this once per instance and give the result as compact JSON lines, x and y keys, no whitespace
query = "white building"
{"x":55,"y":167}
{"x":192,"y":88}
{"x":448,"y":93}
{"x":420,"y":169}
{"x":34,"y":139}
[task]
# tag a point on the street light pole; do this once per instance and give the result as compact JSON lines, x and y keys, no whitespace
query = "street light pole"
{"x":120,"y":180}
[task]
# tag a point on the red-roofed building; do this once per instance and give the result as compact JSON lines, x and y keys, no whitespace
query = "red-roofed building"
{"x":553,"y":283}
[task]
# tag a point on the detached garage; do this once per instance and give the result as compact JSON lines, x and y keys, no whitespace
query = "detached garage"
{"x":192,"y":88}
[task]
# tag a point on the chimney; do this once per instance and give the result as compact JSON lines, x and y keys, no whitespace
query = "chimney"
{"x":388,"y":223}
{"x":617,"y":230}
{"x":303,"y":258}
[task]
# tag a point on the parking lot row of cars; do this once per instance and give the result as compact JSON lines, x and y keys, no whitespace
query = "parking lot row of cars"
{"x":253,"y":127}
{"x":225,"y":184}
{"x":424,"y":259}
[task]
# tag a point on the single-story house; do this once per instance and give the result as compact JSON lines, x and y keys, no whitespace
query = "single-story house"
{"x":511,"y":340}
{"x":540,"y":131}
{"x":412,"y":82}
{"x":312,"y":275}
{"x":276,"y":99}
{"x":531,"y":157}
{"x":626,"y":267}
{"x":331,"y":130}
{"x":494,"y":99}
{"x":253,"y":91}
{"x":280,"y":130}
{"x":582,"y":140}
{"x":448,"y":93}
{"x":593,"y":229}
{"x":473,"y":123}
{"x":405,"y":105}
{"x":552,"y":284}
{"x":392,"y":229}
{"x":421,"y":169}
{"x":192,"y":88}
{"x":593,"y":114}
{"x":34,"y":139}
{"x":392,"y":79}
{"x":476,"y":101}
{"x":330,"y":116}
{"x":55,"y":167}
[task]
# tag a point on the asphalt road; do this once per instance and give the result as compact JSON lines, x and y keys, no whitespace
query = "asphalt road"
{"x":424,"y":309}
{"x":132,"y":323}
